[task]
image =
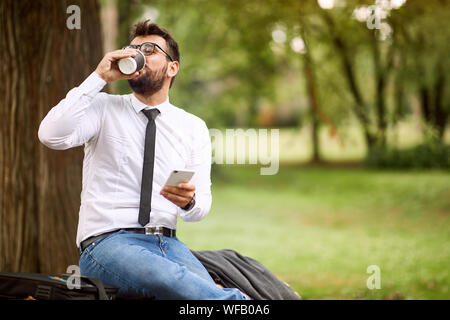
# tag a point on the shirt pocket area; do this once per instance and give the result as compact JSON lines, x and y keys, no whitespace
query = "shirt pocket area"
{"x":115,"y":149}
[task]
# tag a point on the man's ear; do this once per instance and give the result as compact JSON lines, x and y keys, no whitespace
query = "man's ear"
{"x":173,"y":69}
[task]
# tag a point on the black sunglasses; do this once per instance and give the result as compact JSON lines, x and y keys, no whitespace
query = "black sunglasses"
{"x":147,"y":48}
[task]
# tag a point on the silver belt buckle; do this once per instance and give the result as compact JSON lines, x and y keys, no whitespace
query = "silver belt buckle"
{"x":154,"y":230}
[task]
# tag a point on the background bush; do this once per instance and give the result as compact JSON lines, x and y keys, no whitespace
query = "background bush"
{"x":432,"y":154}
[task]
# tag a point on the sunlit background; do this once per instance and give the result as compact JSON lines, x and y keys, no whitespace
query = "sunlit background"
{"x":360,"y":94}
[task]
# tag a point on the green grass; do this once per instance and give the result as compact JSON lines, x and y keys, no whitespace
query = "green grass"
{"x":320,"y":228}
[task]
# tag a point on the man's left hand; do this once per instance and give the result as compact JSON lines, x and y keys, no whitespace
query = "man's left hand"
{"x":180,"y":195}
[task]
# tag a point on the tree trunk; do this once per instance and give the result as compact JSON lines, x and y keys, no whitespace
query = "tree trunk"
{"x":42,"y":59}
{"x":425,"y":104}
{"x":361,"y":108}
{"x":433,"y":111}
{"x":313,"y":103}
{"x":380,"y":86}
{"x":109,"y":16}
{"x":441,"y":113}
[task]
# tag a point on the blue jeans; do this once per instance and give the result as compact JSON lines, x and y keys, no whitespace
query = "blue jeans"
{"x":153,"y":266}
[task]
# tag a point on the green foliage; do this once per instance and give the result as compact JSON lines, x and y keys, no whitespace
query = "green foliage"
{"x":234,"y":73}
{"x":432,"y":154}
{"x":226,"y":65}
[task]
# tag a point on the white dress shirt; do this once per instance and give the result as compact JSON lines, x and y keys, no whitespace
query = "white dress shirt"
{"x":112,"y":130}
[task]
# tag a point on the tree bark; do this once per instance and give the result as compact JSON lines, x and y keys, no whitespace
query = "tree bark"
{"x":361,"y":108}
{"x":380,"y":86}
{"x":313,"y":101}
{"x":441,"y":113}
{"x":433,"y":111}
{"x":109,"y":16}
{"x":42,"y":59}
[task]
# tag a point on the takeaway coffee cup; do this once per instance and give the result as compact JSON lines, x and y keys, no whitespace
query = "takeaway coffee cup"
{"x":132,"y":64}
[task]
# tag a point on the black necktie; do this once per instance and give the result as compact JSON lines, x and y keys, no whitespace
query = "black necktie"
{"x":145,"y":205}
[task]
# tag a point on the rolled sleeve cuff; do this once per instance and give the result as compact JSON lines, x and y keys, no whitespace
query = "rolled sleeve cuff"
{"x":197,"y":212}
{"x":92,"y":85}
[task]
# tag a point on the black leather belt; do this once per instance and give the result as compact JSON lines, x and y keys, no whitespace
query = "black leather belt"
{"x":147,"y":230}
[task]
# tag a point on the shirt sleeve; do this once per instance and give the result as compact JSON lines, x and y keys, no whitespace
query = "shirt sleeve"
{"x":201,"y":165}
{"x":77,"y":118}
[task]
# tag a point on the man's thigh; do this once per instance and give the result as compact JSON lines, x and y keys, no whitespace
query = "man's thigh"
{"x":132,"y":262}
{"x":178,"y":252}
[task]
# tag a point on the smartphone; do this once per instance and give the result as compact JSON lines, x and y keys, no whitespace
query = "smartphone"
{"x":179,"y":176}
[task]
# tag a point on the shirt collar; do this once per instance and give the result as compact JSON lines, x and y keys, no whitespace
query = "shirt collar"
{"x":138,"y":106}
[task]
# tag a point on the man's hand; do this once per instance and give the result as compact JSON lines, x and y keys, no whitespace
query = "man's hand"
{"x":180,"y":195}
{"x":108,"y":69}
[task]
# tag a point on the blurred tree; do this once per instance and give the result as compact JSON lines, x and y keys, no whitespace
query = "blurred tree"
{"x":109,"y":16}
{"x":235,"y":73}
{"x":128,"y":11}
{"x":305,"y":42}
{"x":42,"y":59}
{"x":227,"y":65}
{"x":406,"y":46}
{"x":254,"y":22}
{"x":309,"y":72}
{"x":423,"y":47}
{"x":339,"y":34}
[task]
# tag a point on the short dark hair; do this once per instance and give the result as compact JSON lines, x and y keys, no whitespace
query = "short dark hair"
{"x":146,"y":28}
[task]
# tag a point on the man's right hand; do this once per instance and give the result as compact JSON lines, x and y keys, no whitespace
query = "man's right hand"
{"x":108,"y":70}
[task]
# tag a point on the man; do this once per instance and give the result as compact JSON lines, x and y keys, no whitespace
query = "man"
{"x":127,"y":219}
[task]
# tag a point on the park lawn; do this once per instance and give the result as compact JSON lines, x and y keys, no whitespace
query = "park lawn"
{"x":320,"y":228}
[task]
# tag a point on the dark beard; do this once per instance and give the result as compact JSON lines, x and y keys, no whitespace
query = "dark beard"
{"x":149,"y":83}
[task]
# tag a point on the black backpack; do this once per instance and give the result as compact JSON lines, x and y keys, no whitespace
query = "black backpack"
{"x":35,"y":286}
